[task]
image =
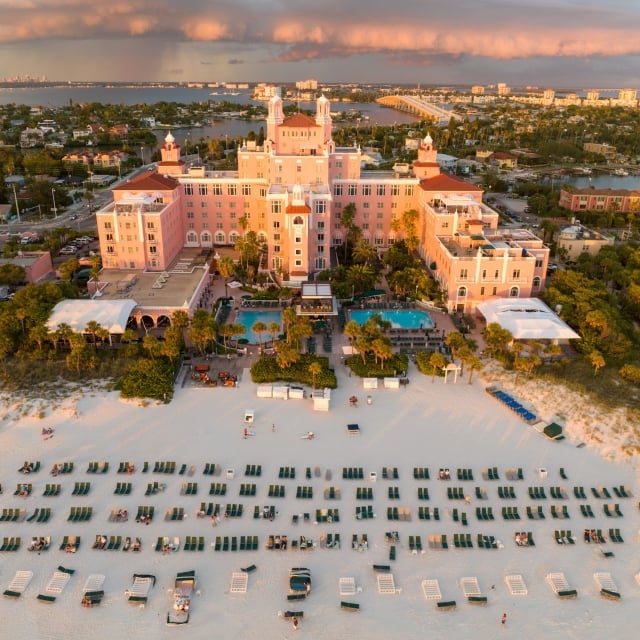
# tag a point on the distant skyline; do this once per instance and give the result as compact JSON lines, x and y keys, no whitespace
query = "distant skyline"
{"x":548,"y":43}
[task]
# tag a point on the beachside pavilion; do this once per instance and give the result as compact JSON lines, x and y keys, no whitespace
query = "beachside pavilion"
{"x":316,"y":299}
{"x":527,"y":319}
{"x":112,"y":315}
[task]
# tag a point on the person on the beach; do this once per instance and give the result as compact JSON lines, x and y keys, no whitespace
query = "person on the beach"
{"x":504,"y":618}
{"x":295,"y":622}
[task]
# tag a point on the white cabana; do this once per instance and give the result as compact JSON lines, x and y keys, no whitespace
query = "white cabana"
{"x":527,"y":319}
{"x":110,"y":314}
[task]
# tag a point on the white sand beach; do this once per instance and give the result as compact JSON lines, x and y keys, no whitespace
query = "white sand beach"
{"x":426,"y":424}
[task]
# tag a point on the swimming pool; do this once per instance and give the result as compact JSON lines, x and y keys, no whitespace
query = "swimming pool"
{"x":399,"y":318}
{"x":249,"y":318}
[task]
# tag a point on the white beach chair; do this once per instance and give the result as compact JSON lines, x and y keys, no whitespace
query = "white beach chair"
{"x":93,"y":583}
{"x":470,"y":587}
{"x":19,"y":583}
{"x":606,"y":585}
{"x":239,"y":582}
{"x":56,"y":585}
{"x":139,"y":590}
{"x":560,"y":586}
{"x":431,"y":589}
{"x":347,"y":586}
{"x":515,"y":584}
{"x":386,"y":584}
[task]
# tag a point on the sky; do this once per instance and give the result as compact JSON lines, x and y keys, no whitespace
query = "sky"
{"x":546,"y":43}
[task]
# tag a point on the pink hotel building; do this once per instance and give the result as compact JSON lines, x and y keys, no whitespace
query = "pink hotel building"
{"x":292,"y":190}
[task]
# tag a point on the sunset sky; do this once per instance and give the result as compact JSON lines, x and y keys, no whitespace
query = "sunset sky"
{"x":554,"y":43}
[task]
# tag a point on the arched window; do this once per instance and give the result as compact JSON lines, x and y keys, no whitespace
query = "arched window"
{"x":192,"y":238}
{"x":205,"y":239}
{"x":462,"y":292}
{"x":536,"y":282}
{"x":298,"y":220}
{"x":233,"y":237}
{"x":514,"y":292}
{"x":220,"y":237}
{"x":262,"y":236}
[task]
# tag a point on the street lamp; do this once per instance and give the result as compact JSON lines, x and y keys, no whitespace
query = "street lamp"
{"x":54,"y":208}
{"x":15,"y":197}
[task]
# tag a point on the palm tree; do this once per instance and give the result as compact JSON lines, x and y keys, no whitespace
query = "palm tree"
{"x":455,"y":341}
{"x":259,"y":328}
{"x":226,"y":331}
{"x":274,"y":329}
{"x":364,"y":253}
{"x":103,"y":334}
{"x":288,"y":317}
{"x":286,"y":355}
{"x":150,"y":343}
{"x":315,"y":369}
{"x":352,"y":330}
{"x":597,"y":361}
{"x":92,"y":328}
{"x":346,"y":221}
{"x":64,"y":332}
{"x":226,"y":269}
{"x":437,"y":362}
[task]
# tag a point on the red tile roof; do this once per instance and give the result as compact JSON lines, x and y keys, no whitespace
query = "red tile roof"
{"x":445,"y":182}
{"x":149,"y":181}
{"x":418,"y":163}
{"x":297,"y":208}
{"x":299,"y":120}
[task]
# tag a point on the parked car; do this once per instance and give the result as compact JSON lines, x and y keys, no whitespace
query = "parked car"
{"x":68,"y":250}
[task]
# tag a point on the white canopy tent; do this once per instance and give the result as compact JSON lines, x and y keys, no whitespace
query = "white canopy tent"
{"x":527,"y":319}
{"x":110,"y":314}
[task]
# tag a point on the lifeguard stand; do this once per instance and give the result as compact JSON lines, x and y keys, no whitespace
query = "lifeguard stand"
{"x":248,"y":416}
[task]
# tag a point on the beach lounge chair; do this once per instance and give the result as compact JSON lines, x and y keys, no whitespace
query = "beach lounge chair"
{"x":470,"y":587}
{"x":386,"y":584}
{"x":141,"y":586}
{"x":239,"y":582}
{"x":560,"y":586}
{"x":515,"y":584}
{"x":92,"y":592}
{"x":18,"y":584}
{"x":56,"y":584}
{"x":606,"y":586}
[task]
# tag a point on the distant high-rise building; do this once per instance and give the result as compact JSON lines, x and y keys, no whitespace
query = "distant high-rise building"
{"x":548,"y":96}
{"x":593,"y":95}
{"x":307,"y":85}
{"x":627,"y":95}
{"x":477,"y":90}
{"x":503,"y":89}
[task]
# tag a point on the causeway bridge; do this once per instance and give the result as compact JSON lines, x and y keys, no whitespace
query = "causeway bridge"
{"x":419,"y":107}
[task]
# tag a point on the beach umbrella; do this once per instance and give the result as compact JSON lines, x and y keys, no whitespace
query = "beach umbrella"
{"x":234,"y":284}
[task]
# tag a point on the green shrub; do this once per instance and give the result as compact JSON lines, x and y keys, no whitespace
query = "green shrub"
{"x":371,"y":369}
{"x":147,"y":379}
{"x":266,"y":370}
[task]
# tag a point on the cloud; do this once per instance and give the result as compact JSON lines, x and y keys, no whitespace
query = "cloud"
{"x":305,"y":30}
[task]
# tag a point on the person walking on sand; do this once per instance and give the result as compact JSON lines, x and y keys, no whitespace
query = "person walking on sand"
{"x":273,"y":428}
{"x":503,"y":620}
{"x":295,"y":622}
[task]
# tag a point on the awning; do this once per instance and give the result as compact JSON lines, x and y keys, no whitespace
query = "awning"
{"x":373,"y":293}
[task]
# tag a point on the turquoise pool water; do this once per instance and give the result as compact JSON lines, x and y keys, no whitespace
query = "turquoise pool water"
{"x":249,"y":318}
{"x":399,"y":318}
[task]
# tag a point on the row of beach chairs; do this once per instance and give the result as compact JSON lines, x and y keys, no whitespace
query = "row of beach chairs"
{"x":98,"y":467}
{"x":13,"y":515}
{"x":80,"y":514}
{"x":233,"y":543}
{"x":40,"y":515}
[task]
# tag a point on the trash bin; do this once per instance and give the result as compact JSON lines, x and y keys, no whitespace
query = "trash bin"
{"x":369,"y":400}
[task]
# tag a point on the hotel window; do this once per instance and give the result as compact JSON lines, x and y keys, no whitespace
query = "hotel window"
{"x":204,"y":215}
{"x":321,"y":206}
{"x":276,"y":237}
{"x":444,"y":225}
{"x":395,"y":189}
{"x":127,"y":225}
{"x":150,"y":225}
{"x":153,"y":249}
{"x":232,"y":205}
{"x":481,"y":291}
{"x":494,"y":291}
{"x":299,"y":168}
{"x":107,"y":225}
{"x":365,"y":215}
{"x":231,"y":189}
{"x":246,"y":189}
{"x":464,"y":273}
{"x":366,"y":189}
{"x":513,"y":292}
{"x":298,"y":263}
{"x":276,"y":224}
{"x":380,"y":205}
{"x":216,"y":189}
{"x":190,"y":215}
{"x":298,"y":252}
{"x":320,"y":225}
{"x":151,"y":237}
{"x":381,"y":189}
{"x":320,"y":248}
{"x":379,"y":225}
{"x":496,"y":274}
{"x":247,"y":205}
{"x":276,"y":248}
{"x":365,"y":226}
{"x":205,"y":225}
{"x":538,"y":263}
{"x":191,"y":225}
{"x":394,"y":205}
{"x":219,"y":225}
{"x":263,"y":192}
{"x":515,"y":275}
{"x":338,"y":164}
{"x":484,"y":274}
{"x":203,"y":204}
{"x":379,"y":215}
{"x":408,"y":190}
{"x":276,"y":206}
{"x":365,"y":205}
{"x":110,"y":249}
{"x":219,"y":215}
{"x":190,"y":204}
{"x":232,"y":214}
{"x":353,"y":189}
{"x":202,"y":189}
{"x":321,"y":237}
{"x":188,"y":189}
{"x":218,"y":205}
{"x":109,"y":237}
